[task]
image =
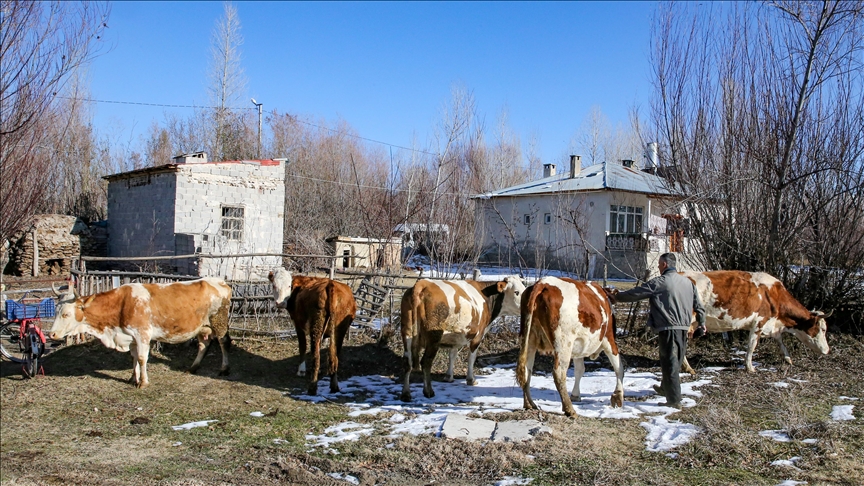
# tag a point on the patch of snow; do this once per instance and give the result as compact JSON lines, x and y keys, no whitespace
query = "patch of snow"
{"x":192,"y":425}
{"x":786,"y":462}
{"x":842,"y":412}
{"x":791,"y":482}
{"x":256,"y":414}
{"x":497,"y":391}
{"x":809,"y":441}
{"x":344,"y":477}
{"x":796,"y":380}
{"x":778,"y":435}
{"x":848,"y":398}
{"x":780,"y":384}
{"x":511,"y":480}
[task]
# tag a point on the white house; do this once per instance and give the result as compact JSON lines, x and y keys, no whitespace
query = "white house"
{"x":197,"y":207}
{"x":612,"y":215}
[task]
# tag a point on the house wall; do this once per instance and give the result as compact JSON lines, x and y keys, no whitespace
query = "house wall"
{"x":369,"y":252}
{"x":141,"y":215}
{"x":203,"y":190}
{"x":575,"y":238}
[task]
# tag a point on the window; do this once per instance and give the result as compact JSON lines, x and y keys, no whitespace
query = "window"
{"x":527,"y":219}
{"x":232,"y":223}
{"x":625,"y":219}
{"x":547,"y":218}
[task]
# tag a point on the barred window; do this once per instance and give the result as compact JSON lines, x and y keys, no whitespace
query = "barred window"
{"x":625,"y":219}
{"x":232,"y":223}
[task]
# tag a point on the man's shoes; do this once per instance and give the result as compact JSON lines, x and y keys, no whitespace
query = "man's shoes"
{"x":659,"y":390}
{"x":676,"y":405}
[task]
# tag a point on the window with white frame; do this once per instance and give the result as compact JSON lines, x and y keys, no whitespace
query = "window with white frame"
{"x":625,"y":219}
{"x":547,"y":218}
{"x":527,"y":219}
{"x":232,"y":223}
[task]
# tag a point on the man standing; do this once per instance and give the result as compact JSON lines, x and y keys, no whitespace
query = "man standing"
{"x":673,"y":299}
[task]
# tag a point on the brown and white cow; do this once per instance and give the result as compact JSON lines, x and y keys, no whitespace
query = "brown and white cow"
{"x":568,"y":319}
{"x":319,"y":307}
{"x":755,"y":301}
{"x":129,"y":317}
{"x":451,"y":313}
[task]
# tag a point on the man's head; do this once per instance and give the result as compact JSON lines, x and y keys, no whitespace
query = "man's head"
{"x":667,"y":260}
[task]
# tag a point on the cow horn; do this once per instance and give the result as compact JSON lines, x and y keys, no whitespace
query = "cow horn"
{"x":54,"y":288}
{"x":826,"y":316}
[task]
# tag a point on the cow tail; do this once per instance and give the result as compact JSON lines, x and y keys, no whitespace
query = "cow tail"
{"x":419,"y":315}
{"x":524,"y":334}
{"x":330,"y":310}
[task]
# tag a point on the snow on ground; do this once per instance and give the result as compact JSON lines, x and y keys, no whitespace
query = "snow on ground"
{"x":791,"y":482}
{"x":842,"y":412}
{"x":497,"y":391}
{"x":848,"y":398}
{"x":786,"y":462}
{"x":778,"y":435}
{"x":192,"y":425}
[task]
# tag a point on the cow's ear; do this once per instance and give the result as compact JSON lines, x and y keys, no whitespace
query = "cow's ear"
{"x":502,"y":286}
{"x":270,"y":277}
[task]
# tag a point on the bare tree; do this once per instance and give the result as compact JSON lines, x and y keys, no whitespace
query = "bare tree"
{"x":759,"y":108}
{"x":227,"y":83}
{"x":41,"y":44}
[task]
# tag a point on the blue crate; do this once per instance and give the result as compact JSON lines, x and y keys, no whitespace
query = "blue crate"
{"x":18,"y":310}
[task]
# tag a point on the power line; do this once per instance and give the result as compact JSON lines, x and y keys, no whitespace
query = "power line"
{"x":162,"y":105}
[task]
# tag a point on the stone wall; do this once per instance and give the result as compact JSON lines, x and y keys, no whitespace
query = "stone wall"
{"x":57,"y":246}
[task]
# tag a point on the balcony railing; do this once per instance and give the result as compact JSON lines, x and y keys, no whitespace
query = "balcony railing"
{"x":627,"y":242}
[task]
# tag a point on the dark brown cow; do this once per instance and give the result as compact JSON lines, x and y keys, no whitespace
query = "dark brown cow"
{"x":129,"y":317}
{"x":757,"y":302}
{"x":567,"y":319}
{"x":319,"y":307}
{"x":451,"y":313}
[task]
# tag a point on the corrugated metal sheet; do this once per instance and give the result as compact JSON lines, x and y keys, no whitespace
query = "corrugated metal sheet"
{"x":597,"y":177}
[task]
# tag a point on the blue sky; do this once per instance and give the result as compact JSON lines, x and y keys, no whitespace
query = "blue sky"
{"x":386,"y":68}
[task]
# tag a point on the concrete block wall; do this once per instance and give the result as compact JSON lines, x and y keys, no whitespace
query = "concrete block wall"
{"x":141,"y":215}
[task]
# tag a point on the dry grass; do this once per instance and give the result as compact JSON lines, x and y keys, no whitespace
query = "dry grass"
{"x":75,"y":425}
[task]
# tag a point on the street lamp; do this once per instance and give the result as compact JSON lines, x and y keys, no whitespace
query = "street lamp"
{"x":259,"y":105}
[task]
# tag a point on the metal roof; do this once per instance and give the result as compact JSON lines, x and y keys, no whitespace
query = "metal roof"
{"x":176,"y":167}
{"x":598,"y":177}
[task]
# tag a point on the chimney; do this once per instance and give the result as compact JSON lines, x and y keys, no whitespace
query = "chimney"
{"x":575,"y":165}
{"x":193,"y":158}
{"x":627,"y":163}
{"x":548,"y":170}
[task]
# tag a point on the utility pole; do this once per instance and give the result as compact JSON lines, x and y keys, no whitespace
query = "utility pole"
{"x":259,"y":105}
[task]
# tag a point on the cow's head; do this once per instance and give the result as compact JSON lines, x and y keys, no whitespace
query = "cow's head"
{"x":812,"y":332}
{"x":511,"y":288}
{"x":280,"y":279}
{"x":69,"y":316}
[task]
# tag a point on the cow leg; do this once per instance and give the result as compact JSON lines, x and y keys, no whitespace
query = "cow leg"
{"x":527,"y":402}
{"x":559,"y":373}
{"x":454,"y":353}
{"x":433,"y":341}
{"x":685,"y":367}
{"x":754,"y":340}
{"x":136,"y":369}
{"x":224,"y":343}
{"x":301,"y":343}
{"x":618,"y":394}
{"x":407,"y":361}
{"x":779,"y":338}
{"x":143,"y":354}
{"x":472,"y":357}
{"x":203,"y":341}
{"x":336,"y":352}
{"x":578,"y":371}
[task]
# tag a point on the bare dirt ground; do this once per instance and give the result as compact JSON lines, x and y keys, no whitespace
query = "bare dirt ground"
{"x":83,"y":423}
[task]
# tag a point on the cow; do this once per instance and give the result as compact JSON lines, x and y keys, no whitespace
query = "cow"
{"x":736,"y":300}
{"x":319,"y":307}
{"x":129,"y":317}
{"x":567,"y":319}
{"x":451,"y":313}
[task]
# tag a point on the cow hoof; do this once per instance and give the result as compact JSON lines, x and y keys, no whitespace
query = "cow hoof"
{"x":570,"y":413}
{"x":224,"y":372}
{"x":334,"y":389}
{"x":428,"y":394}
{"x":471,"y":382}
{"x":448,"y":379}
{"x":789,"y":360}
{"x":618,"y":400}
{"x":576,"y":398}
{"x":142,"y":385}
{"x":301,"y":373}
{"x":405,"y":397}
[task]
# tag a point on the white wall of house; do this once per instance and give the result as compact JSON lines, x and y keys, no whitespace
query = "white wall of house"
{"x":546,"y":229}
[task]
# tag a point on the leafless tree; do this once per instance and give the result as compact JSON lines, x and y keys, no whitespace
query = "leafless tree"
{"x":227,"y":85}
{"x":41,"y":44}
{"x":759,"y":108}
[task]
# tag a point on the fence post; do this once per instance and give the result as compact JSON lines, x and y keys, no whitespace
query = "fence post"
{"x":332,"y":268}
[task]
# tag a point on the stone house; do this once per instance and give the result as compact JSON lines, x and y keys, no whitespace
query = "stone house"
{"x":612,"y":216}
{"x":197,"y":207}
